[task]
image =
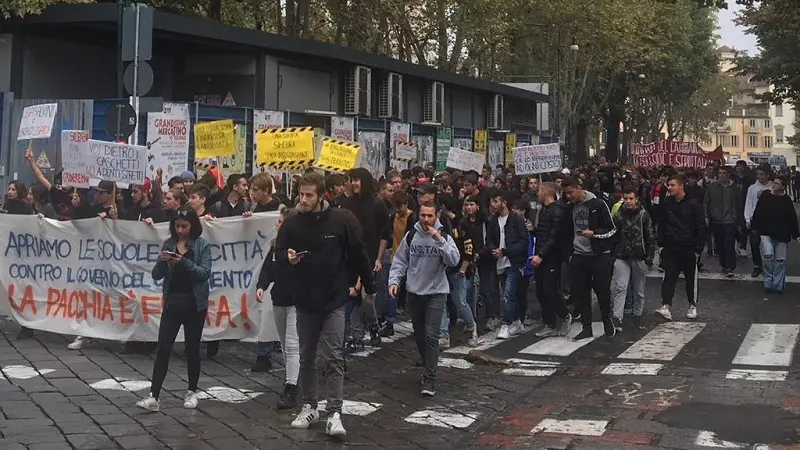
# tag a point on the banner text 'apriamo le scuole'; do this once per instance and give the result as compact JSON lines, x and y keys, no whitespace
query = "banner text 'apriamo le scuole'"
{"x":92,"y":277}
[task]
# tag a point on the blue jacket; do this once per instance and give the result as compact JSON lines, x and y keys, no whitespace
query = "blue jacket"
{"x":198,"y":267}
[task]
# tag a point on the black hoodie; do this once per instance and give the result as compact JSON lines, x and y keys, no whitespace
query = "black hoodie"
{"x":370,"y":212}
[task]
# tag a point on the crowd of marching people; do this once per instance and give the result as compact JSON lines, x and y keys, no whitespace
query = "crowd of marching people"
{"x":460,"y":254}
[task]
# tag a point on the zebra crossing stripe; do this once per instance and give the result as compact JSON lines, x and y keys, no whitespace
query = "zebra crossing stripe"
{"x":485,"y":342}
{"x":664,"y":342}
{"x":757,"y":375}
{"x":564,"y":346}
{"x":768,"y":344}
{"x":632,"y":369}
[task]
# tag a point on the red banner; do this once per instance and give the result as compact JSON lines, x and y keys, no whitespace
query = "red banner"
{"x":673,"y":153}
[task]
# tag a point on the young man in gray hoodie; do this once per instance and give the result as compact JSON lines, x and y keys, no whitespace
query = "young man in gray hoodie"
{"x":420,"y":263}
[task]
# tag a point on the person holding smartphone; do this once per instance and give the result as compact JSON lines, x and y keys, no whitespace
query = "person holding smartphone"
{"x":184,"y":266}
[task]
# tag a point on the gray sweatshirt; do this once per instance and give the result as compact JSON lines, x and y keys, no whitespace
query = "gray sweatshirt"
{"x":424,"y":263}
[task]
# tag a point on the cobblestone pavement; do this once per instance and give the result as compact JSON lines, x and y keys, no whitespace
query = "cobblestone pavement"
{"x":694,"y":386}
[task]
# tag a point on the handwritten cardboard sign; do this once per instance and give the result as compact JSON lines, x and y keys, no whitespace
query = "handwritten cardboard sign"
{"x":533,"y":159}
{"x":465,"y":160}
{"x":37,"y":121}
{"x":74,"y":154}
{"x":214,"y":139}
{"x":116,"y":162}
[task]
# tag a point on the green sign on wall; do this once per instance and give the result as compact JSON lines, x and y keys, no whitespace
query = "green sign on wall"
{"x":444,"y":139}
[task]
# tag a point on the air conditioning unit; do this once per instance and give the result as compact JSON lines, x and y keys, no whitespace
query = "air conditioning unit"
{"x":358,"y":92}
{"x":495,"y":113}
{"x":433,"y":103}
{"x":390,"y":97}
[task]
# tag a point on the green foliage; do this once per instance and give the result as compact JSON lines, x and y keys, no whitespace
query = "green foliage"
{"x":9,"y":8}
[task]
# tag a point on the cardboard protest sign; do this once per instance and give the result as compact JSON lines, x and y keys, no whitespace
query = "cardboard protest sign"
{"x":533,"y":159}
{"x":338,"y":156}
{"x":93,"y":278}
{"x":74,"y":154}
{"x":37,"y":121}
{"x":112,"y":161}
{"x":286,"y":147}
{"x":465,"y":160}
{"x":213,"y":139}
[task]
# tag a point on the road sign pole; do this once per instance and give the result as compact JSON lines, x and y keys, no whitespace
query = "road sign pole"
{"x":135,"y":137}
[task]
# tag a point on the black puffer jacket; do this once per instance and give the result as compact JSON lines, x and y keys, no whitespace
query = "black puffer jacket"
{"x":550,"y":230}
{"x":637,"y":239}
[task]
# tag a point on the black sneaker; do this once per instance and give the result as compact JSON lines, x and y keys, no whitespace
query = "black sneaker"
{"x":617,"y":324}
{"x":262,"y":364}
{"x":756,"y":272}
{"x":353,"y":346}
{"x":584,"y":334}
{"x":288,"y":399}
{"x":374,"y":336}
{"x":639,"y":322}
{"x":428,"y":388}
{"x":387,"y":330}
{"x":25,"y":333}
{"x":730,"y":274}
{"x":609,"y":328}
{"x":576,"y":317}
{"x":212,"y":348}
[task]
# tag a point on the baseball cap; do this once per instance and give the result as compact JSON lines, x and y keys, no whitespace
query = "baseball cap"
{"x":105,"y":186}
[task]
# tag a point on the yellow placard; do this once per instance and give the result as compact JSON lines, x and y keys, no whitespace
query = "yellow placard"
{"x":338,"y":156}
{"x":285,"y":146}
{"x":481,"y":141}
{"x":214,"y":139}
{"x":511,"y":143}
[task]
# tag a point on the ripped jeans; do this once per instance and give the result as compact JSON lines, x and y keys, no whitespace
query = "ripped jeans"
{"x":773,"y":255}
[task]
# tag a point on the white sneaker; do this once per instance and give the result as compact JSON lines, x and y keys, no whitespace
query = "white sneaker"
{"x":692,"y":312}
{"x":664,"y":312}
{"x":504,"y":332}
{"x":307,"y":416}
{"x":565,"y":326}
{"x":473,"y":338}
{"x":335,"y":427}
{"x":444,"y":342}
{"x":150,"y":403}
{"x":78,"y":343}
{"x":516,"y":328}
{"x":190,"y":400}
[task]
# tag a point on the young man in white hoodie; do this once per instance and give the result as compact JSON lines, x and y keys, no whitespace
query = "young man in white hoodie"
{"x":420,"y":263}
{"x":762,"y":184}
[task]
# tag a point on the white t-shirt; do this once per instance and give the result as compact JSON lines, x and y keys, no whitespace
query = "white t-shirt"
{"x":503,"y":262}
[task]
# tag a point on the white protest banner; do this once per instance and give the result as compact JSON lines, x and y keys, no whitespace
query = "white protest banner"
{"x":121,"y":163}
{"x":263,"y":120}
{"x":465,"y":160}
{"x":168,"y":139}
{"x":532,"y":159}
{"x":343,"y":128}
{"x":74,"y":152}
{"x":93,"y":277}
{"x":37,"y":121}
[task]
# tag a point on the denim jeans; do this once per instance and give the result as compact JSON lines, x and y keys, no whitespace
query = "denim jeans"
{"x":426,"y":313}
{"x":510,"y":279}
{"x":773,"y":254}
{"x":265,"y":348}
{"x":628,"y":271}
{"x":459,"y":293}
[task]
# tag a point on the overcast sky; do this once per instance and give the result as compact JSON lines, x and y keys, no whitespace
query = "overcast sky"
{"x":732,"y":35}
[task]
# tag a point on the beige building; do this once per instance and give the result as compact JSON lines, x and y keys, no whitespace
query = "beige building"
{"x":747,"y":130}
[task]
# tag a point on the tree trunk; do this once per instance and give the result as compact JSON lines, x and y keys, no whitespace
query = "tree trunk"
{"x":215,"y":9}
{"x":616,"y":114}
{"x":290,"y":18}
{"x":441,"y":33}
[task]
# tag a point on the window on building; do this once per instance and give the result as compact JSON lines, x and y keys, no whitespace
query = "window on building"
{"x":752,"y":123}
{"x":735,"y":141}
{"x":779,"y":134}
{"x":767,"y":124}
{"x":767,"y":141}
{"x":752,"y":141}
{"x":779,"y":110}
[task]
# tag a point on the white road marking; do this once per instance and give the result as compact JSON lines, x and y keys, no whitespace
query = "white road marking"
{"x":572,"y":426}
{"x":485,"y":342}
{"x":455,"y":363}
{"x":564,"y":346}
{"x":120,"y":384}
{"x":632,"y":369}
{"x":353,"y":408}
{"x":24,"y":372}
{"x":664,"y":342}
{"x":227,"y":394}
{"x":529,"y":371}
{"x":443,"y":418}
{"x":757,"y":375}
{"x":710,"y":439}
{"x":768,"y":344}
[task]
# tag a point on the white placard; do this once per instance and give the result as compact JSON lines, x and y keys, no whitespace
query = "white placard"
{"x":168,"y":139}
{"x":112,"y":161}
{"x":532,"y":159}
{"x":343,"y":128}
{"x":263,"y":120}
{"x":37,"y":121}
{"x":465,"y":160}
{"x":74,"y":153}
{"x":93,"y":277}
{"x":400,"y":132}
{"x":405,"y":151}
